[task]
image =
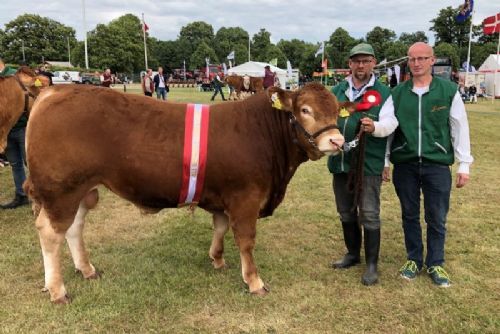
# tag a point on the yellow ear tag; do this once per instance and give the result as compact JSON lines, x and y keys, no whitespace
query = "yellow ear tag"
{"x":276,"y":101}
{"x":38,"y":83}
{"x":344,"y":113}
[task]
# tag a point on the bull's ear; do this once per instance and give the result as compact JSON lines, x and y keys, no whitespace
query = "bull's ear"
{"x":280,"y":98}
{"x":350,"y":107}
{"x":40,"y":81}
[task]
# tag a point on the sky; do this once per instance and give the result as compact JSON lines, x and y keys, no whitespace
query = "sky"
{"x":308,"y":20}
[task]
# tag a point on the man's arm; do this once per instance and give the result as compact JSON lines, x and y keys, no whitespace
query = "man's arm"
{"x":387,"y":121}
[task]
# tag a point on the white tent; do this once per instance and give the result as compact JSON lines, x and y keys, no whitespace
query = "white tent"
{"x":489,"y":67}
{"x":256,"y":69}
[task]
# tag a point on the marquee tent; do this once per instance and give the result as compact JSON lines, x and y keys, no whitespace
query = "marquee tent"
{"x":490,"y":65}
{"x":256,"y":69}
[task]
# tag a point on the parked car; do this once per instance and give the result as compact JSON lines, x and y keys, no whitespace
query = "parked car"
{"x":91,"y":79}
{"x":66,"y":77}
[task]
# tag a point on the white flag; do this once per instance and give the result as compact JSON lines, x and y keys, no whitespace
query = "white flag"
{"x":289,"y":68}
{"x":321,"y":49}
{"x":230,"y":65}
{"x":207,"y":60}
{"x":225,"y":68}
{"x":230,"y":55}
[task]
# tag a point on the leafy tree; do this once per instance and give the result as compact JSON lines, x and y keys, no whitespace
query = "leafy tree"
{"x":380,"y":38}
{"x":231,"y":39}
{"x":448,"y":30}
{"x":43,"y":38}
{"x":395,"y":50}
{"x":203,"y":50}
{"x":479,"y":53}
{"x":411,"y":38}
{"x":448,"y":50}
{"x":192,"y":35}
{"x":261,"y":42}
{"x":338,"y":46}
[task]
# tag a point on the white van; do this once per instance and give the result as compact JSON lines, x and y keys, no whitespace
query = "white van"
{"x":66,"y":77}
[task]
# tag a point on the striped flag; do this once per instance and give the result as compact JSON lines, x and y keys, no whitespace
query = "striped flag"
{"x":491,"y":24}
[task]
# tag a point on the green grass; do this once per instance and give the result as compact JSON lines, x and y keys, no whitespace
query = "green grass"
{"x":157,"y":276}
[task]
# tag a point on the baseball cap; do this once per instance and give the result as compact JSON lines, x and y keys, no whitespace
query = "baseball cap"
{"x":362,"y":49}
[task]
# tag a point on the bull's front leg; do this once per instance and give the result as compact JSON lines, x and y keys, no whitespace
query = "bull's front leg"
{"x":244,"y":229}
{"x":216,"y":253}
{"x":51,"y":242}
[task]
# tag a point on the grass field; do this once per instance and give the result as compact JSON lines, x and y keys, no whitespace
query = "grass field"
{"x":158,"y":279}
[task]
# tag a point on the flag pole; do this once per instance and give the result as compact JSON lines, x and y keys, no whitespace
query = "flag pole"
{"x":322,"y":61}
{"x":468,"y":51}
{"x":145,"y":48}
{"x":85,"y":36}
{"x":496,"y":70}
{"x":248,"y":47}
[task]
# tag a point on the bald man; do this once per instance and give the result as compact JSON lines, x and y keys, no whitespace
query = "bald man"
{"x":433,"y":131}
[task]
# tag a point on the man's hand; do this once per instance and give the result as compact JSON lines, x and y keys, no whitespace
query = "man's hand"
{"x":386,"y":174}
{"x":462,"y":180}
{"x":367,"y":124}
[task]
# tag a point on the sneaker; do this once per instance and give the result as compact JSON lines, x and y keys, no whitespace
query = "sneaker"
{"x":409,"y":270}
{"x":439,"y":276}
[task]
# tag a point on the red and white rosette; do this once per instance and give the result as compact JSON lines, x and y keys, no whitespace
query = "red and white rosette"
{"x":371,"y":98}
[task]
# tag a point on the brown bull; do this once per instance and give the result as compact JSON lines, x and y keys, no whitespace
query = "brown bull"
{"x":240,"y":85}
{"x":17,"y":95}
{"x":80,"y":137}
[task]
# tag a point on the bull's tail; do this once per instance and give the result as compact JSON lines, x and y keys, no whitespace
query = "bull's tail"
{"x":29,"y":190}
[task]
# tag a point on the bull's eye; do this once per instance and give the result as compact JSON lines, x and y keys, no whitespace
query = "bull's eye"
{"x":305,"y":111}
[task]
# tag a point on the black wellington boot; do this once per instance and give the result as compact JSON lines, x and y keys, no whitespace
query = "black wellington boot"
{"x":19,"y":200}
{"x":372,"y":248}
{"x":352,"y":239}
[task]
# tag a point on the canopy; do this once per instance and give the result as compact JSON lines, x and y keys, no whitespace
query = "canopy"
{"x":256,"y":69}
{"x":489,"y":67}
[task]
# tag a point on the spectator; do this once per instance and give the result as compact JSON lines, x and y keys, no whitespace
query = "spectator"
{"x":473,"y":94}
{"x":217,"y":83}
{"x":148,"y":86}
{"x":161,"y":84}
{"x":106,"y":78}
{"x":268,"y":77}
{"x":433,"y":129}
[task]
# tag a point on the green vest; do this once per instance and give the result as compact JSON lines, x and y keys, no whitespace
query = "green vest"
{"x":375,"y":147}
{"x":423,"y":134}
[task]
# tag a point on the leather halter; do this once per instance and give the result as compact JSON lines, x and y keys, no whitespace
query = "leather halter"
{"x":27,"y":95}
{"x":310,"y":137}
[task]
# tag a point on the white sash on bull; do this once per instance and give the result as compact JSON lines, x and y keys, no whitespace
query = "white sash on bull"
{"x":195,"y":153}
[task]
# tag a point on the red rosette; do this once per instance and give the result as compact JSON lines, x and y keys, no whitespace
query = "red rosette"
{"x":371,"y":98}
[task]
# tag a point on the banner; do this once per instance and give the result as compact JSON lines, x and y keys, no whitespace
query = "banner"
{"x":230,"y":55}
{"x":320,"y":50}
{"x":207,"y":61}
{"x":274,"y":62}
{"x":465,"y":11}
{"x":491,"y":24}
{"x":145,"y":26}
{"x":288,"y":68}
{"x":225,"y":68}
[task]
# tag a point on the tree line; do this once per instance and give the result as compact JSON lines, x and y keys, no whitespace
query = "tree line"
{"x":119,"y":44}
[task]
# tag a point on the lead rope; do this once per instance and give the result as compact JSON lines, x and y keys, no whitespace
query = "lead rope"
{"x":355,"y":176}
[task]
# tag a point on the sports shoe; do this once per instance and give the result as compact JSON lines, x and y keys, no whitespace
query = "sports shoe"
{"x":439,"y":276}
{"x":409,"y":270}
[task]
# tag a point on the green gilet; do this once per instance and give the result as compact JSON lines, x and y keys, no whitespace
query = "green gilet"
{"x":423,"y":134}
{"x":375,"y":147}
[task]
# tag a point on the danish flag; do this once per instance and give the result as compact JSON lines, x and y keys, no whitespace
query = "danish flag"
{"x":491,"y":24}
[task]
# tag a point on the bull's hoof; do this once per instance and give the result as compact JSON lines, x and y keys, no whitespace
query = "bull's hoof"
{"x":62,"y":300}
{"x":44,"y":289}
{"x":219,"y":264}
{"x":261,"y":292}
{"x":95,"y":275}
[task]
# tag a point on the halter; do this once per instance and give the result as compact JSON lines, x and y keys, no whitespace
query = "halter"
{"x":27,"y":95}
{"x":310,"y":137}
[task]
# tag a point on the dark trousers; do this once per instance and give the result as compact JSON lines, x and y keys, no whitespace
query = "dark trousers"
{"x":16,"y":155}
{"x":218,"y":89}
{"x":368,"y":214}
{"x":148,"y":93}
{"x":434,"y":181}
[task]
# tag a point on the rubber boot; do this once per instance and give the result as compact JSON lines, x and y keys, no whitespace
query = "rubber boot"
{"x":372,"y":248}
{"x":352,"y":239}
{"x":19,"y":200}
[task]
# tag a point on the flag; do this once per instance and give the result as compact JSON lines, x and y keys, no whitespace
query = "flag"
{"x":320,"y":50}
{"x":145,"y":26}
{"x":288,"y":68}
{"x":274,"y":62}
{"x":225,"y":68}
{"x":230,"y":65}
{"x":207,"y":60}
{"x":465,"y":11}
{"x":491,"y":24}
{"x":230,"y":55}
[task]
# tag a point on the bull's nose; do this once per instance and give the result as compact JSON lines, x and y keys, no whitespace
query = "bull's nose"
{"x":337,"y":141}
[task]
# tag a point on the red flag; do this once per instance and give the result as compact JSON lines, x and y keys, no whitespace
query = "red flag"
{"x":491,"y":24}
{"x":145,"y":26}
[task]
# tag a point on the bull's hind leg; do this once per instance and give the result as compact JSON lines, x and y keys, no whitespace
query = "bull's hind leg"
{"x":51,"y":241}
{"x":216,"y":253}
{"x":243,"y":222}
{"x":74,"y":237}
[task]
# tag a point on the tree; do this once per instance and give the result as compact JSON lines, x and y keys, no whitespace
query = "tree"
{"x":192,"y":35}
{"x":448,"y":50}
{"x":380,"y":38}
{"x":231,"y":39}
{"x":395,"y":50}
{"x":261,"y":42}
{"x":43,"y":38}
{"x":409,"y":39}
{"x":338,"y":46}
{"x":448,"y":30}
{"x":197,"y":59}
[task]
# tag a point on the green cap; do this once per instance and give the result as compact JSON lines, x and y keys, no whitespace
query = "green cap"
{"x":362,"y":49}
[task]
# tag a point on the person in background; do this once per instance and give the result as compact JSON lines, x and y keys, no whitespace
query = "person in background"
{"x":473,"y":94}
{"x":161,"y":86}
{"x":148,"y":85}
{"x":106,"y":78}
{"x":377,"y":122}
{"x":268,"y":77}
{"x":217,"y":83}
{"x":44,"y":71}
{"x":433,"y":130}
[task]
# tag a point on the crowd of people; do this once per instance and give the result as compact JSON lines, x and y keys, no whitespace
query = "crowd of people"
{"x":420,"y":126}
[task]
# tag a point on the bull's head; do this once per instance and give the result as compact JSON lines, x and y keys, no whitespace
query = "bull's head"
{"x":314,"y":111}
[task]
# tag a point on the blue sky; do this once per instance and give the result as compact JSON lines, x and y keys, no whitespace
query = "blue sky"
{"x":309,"y":20}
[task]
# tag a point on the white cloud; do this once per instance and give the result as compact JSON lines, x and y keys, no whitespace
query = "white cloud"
{"x":312,"y":20}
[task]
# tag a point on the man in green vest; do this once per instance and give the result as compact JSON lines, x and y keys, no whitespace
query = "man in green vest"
{"x":378,"y":122}
{"x":6,"y":70}
{"x":433,"y":130}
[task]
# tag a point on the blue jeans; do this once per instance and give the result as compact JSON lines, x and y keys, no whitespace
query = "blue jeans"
{"x":368,"y":214}
{"x":16,"y":155}
{"x":434,"y":181}
{"x":161,"y":92}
